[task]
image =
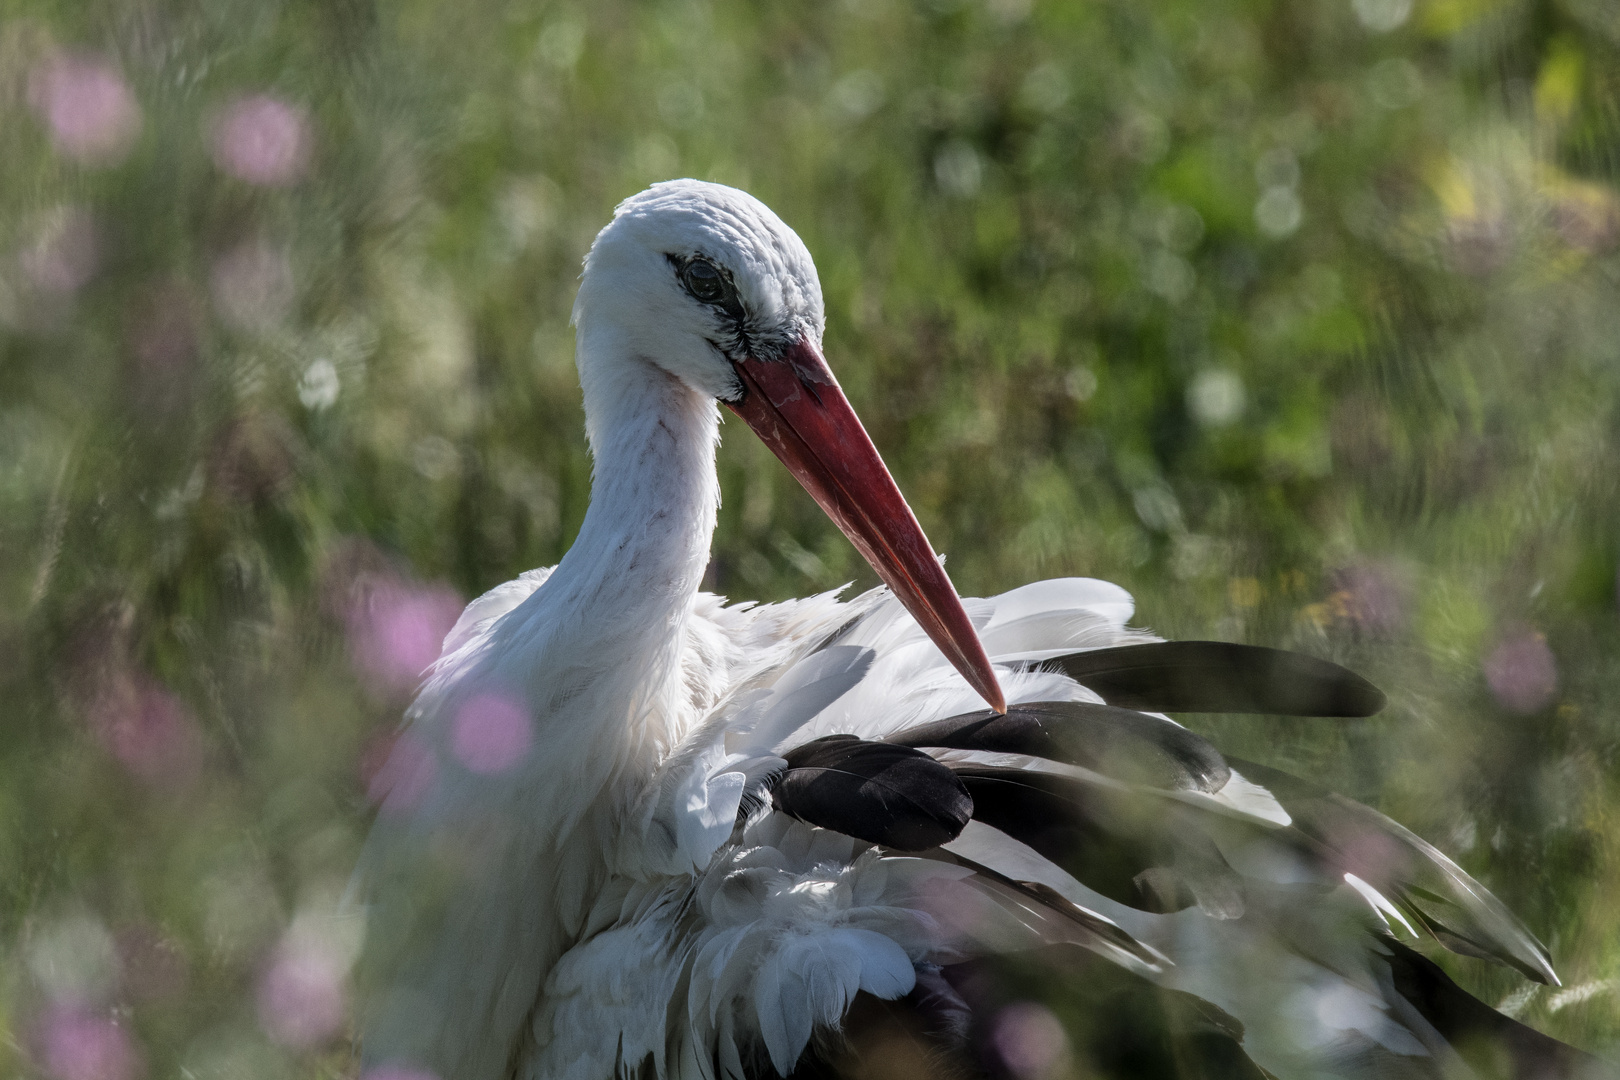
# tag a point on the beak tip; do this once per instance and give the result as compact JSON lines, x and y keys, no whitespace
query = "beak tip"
{"x":995,"y":699}
{"x":981,"y":675}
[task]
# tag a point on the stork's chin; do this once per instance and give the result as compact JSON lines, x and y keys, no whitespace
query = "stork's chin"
{"x":795,"y":405}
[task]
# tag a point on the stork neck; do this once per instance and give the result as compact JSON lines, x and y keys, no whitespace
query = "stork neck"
{"x":643,"y":546}
{"x":594,"y":656}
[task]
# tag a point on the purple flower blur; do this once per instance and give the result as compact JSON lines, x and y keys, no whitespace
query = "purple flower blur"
{"x":300,"y":996}
{"x":88,"y":108}
{"x":398,"y":1072}
{"x":397,"y":629}
{"x":150,"y":732}
{"x":1030,"y":1040}
{"x":1370,"y":854}
{"x":490,"y":734}
{"x":1521,"y":672}
{"x":1371,"y":597}
{"x":78,"y":1045}
{"x":262,"y":140}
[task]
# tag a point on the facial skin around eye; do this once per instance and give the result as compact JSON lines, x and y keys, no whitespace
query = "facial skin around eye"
{"x":710,"y":284}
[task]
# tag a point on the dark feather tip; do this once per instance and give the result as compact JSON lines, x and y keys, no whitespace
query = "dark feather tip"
{"x":1222,"y":677}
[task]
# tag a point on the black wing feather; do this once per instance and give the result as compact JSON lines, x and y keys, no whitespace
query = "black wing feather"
{"x":877,"y":792}
{"x":1431,"y":889}
{"x":1495,"y":1044}
{"x":1126,"y":745}
{"x":1221,"y":677}
{"x":1147,"y":854}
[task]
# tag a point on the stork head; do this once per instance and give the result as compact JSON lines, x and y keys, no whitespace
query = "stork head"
{"x":708,"y":284}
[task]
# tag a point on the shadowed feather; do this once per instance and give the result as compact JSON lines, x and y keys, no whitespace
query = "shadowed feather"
{"x":1428,"y":887}
{"x":1149,"y":855}
{"x":1498,"y":1047}
{"x":1100,"y":934}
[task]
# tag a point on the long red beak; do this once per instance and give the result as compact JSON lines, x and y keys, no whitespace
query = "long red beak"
{"x":795,"y":405}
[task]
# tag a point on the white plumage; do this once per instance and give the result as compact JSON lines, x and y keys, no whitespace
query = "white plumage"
{"x":623,"y":896}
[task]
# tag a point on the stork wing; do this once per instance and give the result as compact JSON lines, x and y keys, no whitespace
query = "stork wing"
{"x":887,"y":834}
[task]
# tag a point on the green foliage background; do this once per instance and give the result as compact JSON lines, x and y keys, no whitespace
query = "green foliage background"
{"x":1299,"y":318}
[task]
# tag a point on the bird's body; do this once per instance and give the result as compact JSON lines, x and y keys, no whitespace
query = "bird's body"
{"x":642,"y":879}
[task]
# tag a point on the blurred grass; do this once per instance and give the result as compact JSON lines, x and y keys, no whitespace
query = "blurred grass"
{"x":1298,"y":319}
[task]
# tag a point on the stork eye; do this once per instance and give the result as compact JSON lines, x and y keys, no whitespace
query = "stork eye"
{"x":704,"y":281}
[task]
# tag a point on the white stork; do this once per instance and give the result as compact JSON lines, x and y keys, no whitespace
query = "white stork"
{"x":640,"y":832}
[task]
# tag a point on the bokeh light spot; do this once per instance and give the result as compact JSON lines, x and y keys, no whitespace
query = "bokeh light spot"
{"x":262,"y":140}
{"x":77,"y":1045}
{"x":1371,"y":855}
{"x":1170,"y":276}
{"x":490,"y":734}
{"x":1279,"y":212}
{"x":959,"y":169}
{"x":150,"y":732}
{"x":397,"y":630}
{"x":1521,"y":672}
{"x":1080,"y":383}
{"x":1370,"y":597}
{"x":1216,"y":397}
{"x":858,"y":94}
{"x":398,"y":1072}
{"x":1030,"y":1040}
{"x":86,"y":105}
{"x":1382,"y":16}
{"x":300,"y":995}
{"x":319,"y":386}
